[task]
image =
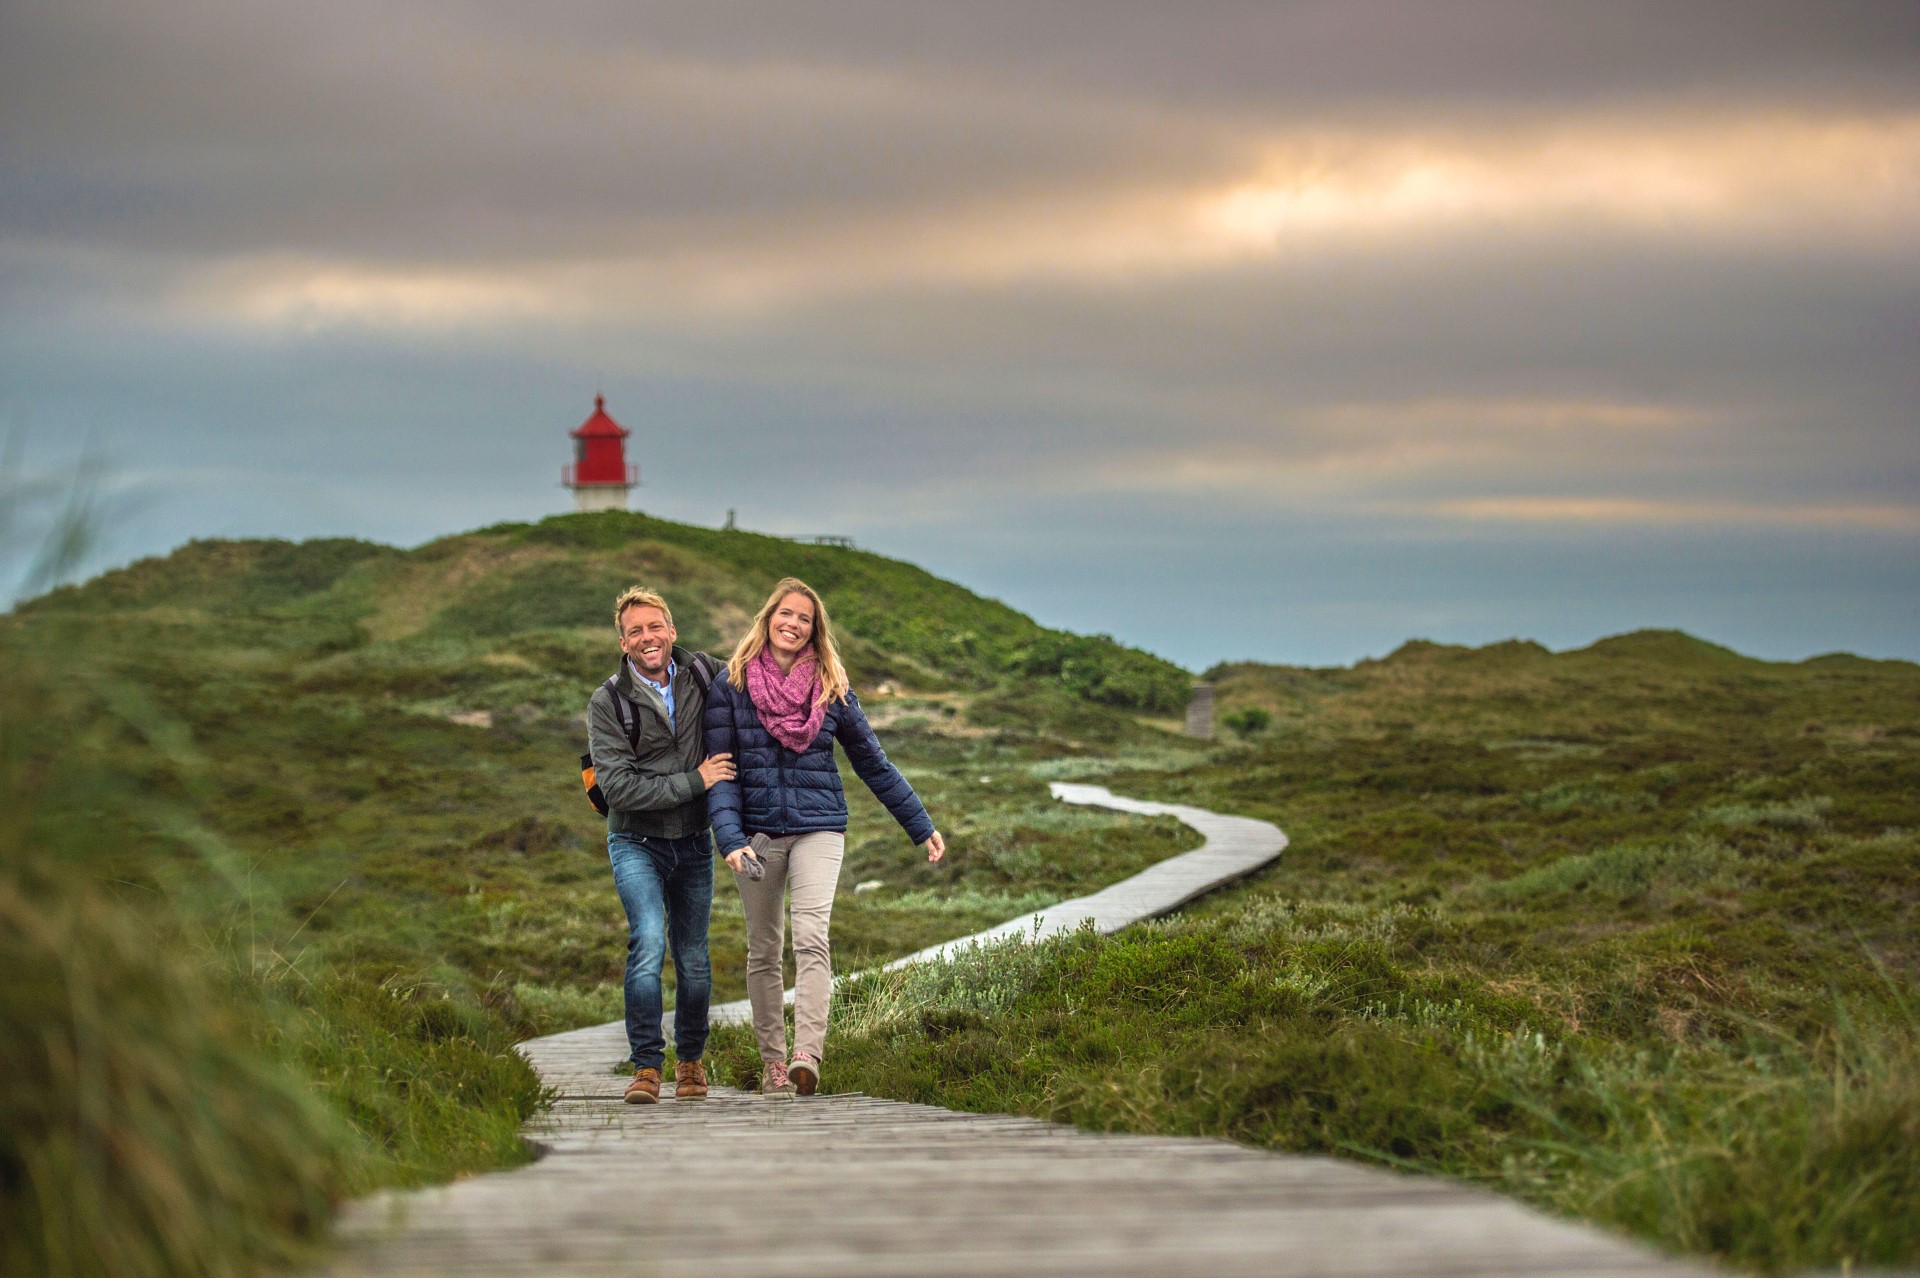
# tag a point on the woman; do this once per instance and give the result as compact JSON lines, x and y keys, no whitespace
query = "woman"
{"x":778,"y":708}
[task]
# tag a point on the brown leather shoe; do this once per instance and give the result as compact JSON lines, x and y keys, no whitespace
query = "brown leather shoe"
{"x":645,"y":1087}
{"x":689,"y":1080}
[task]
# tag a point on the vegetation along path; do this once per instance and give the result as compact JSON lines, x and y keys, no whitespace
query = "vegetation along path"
{"x":850,"y":1184}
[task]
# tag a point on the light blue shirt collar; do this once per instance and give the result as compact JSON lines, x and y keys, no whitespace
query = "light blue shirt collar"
{"x":665,"y":690}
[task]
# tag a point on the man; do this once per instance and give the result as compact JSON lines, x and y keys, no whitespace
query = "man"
{"x":647,"y":756}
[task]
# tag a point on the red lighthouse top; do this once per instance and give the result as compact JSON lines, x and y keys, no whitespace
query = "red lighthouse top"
{"x":600,"y":424}
{"x":600,"y":452}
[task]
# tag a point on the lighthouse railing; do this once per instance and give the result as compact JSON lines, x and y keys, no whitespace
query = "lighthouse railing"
{"x":570,"y":478}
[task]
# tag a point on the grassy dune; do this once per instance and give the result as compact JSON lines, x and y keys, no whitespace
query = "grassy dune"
{"x":292,"y":853}
{"x":295,"y":850}
{"x":1630,"y":932}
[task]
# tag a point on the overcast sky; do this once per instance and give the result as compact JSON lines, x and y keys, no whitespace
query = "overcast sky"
{"x":1275,"y":330}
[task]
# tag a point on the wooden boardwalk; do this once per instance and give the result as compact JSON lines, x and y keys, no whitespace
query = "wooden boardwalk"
{"x":1200,"y":712}
{"x":1234,"y":846}
{"x":743,"y":1185}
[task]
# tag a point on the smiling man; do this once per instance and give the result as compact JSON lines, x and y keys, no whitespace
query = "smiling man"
{"x":644,"y":729}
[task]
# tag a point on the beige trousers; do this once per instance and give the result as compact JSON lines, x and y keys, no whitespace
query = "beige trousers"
{"x":808,"y":866}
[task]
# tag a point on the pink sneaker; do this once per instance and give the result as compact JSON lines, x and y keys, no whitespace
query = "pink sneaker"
{"x":774,"y":1082}
{"x":805,"y":1072}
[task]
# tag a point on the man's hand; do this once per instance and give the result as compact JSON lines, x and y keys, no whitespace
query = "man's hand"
{"x":936,"y":846}
{"x":718,"y":767}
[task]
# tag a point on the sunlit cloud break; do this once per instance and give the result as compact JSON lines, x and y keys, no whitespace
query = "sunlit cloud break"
{"x":1632,"y":510}
{"x":1762,"y":173}
{"x":306,"y":294}
{"x":1779,"y":179}
{"x":1317,"y":451}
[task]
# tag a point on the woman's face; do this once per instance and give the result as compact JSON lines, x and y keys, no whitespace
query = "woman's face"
{"x":790,"y":628}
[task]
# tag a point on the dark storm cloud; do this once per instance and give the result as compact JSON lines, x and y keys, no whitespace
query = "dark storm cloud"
{"x":432,"y":131}
{"x":1319,"y":55}
{"x":352,"y":129}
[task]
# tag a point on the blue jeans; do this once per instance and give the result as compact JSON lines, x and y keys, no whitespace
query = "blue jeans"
{"x":666,"y":886}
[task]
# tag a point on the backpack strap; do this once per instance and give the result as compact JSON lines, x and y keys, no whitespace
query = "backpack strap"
{"x":623,"y":710}
{"x":703,"y":668}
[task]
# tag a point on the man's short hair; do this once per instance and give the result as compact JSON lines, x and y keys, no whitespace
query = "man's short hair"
{"x":639,"y":597}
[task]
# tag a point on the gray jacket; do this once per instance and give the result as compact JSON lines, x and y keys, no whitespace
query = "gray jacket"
{"x":657,"y":790}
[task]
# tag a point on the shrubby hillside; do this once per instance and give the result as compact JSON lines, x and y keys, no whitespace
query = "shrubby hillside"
{"x":1628,"y":932}
{"x":1632,"y":932}
{"x":512,"y":618}
{"x":294,"y":850}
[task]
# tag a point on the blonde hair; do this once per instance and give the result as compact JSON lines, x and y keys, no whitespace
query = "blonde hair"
{"x":639,"y":597}
{"x":832,"y":675}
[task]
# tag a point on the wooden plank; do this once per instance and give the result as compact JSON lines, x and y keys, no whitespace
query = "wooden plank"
{"x":744,"y":1186}
{"x":1234,"y":847}
{"x":1199,"y":721}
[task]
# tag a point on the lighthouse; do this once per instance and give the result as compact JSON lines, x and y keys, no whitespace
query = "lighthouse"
{"x":599,"y":474}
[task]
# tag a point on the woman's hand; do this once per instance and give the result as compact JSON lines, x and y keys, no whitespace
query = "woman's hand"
{"x":736,"y":860}
{"x":936,"y":846}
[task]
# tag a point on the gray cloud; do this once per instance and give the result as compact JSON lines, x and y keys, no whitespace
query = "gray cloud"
{"x":353,"y":129}
{"x":1311,"y":55}
{"x":972,"y":283}
{"x":443,"y":131}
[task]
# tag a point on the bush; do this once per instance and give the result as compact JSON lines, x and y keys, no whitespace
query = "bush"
{"x":1099,"y":669}
{"x":1248,"y":722}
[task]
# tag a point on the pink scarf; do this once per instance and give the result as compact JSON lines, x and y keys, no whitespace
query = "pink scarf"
{"x":789,"y":704}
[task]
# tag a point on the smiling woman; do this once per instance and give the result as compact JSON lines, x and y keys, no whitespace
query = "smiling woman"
{"x":778,"y":709}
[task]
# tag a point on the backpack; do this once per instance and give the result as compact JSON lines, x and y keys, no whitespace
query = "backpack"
{"x":700,"y":666}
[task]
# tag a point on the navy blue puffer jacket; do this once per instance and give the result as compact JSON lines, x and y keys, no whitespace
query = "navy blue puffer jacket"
{"x":778,"y":791}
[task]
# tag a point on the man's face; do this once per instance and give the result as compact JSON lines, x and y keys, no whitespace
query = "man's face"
{"x":647,"y":637}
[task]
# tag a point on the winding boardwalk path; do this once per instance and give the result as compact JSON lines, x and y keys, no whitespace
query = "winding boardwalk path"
{"x":851,"y":1185}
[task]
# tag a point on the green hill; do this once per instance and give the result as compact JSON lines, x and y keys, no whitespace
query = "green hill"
{"x":1648,"y":683}
{"x":391,"y":733}
{"x":309,"y":814}
{"x":513,"y":617}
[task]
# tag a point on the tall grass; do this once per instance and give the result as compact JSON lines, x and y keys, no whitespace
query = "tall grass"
{"x":186,"y":1090}
{"x":1774,"y":1154}
{"x":143,"y":1131}
{"x":1316,"y":1029}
